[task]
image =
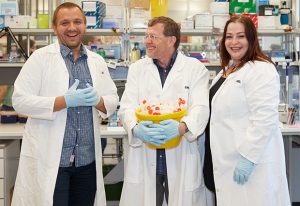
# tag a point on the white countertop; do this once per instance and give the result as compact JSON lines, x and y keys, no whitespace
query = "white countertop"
{"x":15,"y":131}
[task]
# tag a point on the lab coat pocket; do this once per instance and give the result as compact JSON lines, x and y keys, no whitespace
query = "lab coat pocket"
{"x":192,"y":172}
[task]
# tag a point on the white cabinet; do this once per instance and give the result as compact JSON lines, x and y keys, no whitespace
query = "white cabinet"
{"x":9,"y":159}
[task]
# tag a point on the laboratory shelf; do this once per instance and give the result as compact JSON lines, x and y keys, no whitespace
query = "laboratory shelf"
{"x":41,"y":32}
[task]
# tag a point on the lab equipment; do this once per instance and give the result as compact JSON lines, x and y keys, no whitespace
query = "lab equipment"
{"x":284,"y":14}
{"x":243,"y":170}
{"x":145,"y":132}
{"x":101,"y":52}
{"x":135,"y":53}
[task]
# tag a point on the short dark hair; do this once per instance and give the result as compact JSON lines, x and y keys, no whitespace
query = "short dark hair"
{"x":254,"y":52}
{"x":67,"y":5}
{"x":171,"y":28}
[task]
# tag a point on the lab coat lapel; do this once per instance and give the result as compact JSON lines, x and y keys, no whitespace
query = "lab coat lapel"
{"x":153,"y":73}
{"x":224,"y":83}
{"x":175,"y":71}
{"x":93,"y":70}
{"x":61,"y":63}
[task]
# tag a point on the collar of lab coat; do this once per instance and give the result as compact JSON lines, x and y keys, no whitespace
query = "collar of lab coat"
{"x":174,"y":73}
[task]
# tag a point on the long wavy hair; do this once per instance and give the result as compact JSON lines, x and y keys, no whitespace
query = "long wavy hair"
{"x":253,"y":53}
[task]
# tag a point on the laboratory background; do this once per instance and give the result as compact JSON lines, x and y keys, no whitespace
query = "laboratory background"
{"x":115,"y":30}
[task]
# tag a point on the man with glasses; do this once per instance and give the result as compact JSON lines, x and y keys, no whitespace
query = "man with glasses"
{"x":174,"y":175}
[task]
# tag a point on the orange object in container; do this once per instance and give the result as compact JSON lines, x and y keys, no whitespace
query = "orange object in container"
{"x":156,"y":119}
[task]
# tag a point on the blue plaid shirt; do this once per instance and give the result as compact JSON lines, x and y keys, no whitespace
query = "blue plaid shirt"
{"x":79,"y":134}
{"x":161,"y":164}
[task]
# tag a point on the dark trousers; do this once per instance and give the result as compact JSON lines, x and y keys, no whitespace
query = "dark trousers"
{"x":75,"y":186}
{"x":162,"y":189}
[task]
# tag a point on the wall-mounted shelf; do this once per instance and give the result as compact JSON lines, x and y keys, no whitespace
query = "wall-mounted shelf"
{"x":98,"y":32}
{"x":210,"y":31}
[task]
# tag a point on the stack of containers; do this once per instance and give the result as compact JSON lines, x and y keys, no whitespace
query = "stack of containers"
{"x":139,"y":13}
{"x":247,"y":8}
{"x":268,"y":15}
{"x":95,"y":12}
{"x":220,"y":14}
{"x":114,"y":17}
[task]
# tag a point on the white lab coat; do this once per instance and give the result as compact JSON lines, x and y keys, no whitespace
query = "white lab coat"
{"x":43,"y":77}
{"x":188,"y":79}
{"x":244,"y":121}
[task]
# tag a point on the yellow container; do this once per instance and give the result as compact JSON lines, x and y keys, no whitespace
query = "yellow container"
{"x":159,"y":8}
{"x":156,"y":119}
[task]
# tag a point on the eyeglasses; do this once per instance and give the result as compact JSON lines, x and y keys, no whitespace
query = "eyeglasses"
{"x":152,"y":37}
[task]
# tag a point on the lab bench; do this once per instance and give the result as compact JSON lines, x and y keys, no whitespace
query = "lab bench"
{"x":291,"y":136}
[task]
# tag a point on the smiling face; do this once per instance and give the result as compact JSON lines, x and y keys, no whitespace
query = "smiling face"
{"x":158,"y":46}
{"x":236,"y":42}
{"x":70,"y":27}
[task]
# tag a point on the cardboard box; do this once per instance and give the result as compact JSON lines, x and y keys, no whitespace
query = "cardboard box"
{"x":94,"y":12}
{"x":93,"y":8}
{"x":219,"y":7}
{"x":187,"y":24}
{"x":242,"y":6}
{"x":114,"y":12}
{"x":94,"y":22}
{"x":267,"y":22}
{"x":203,"y":21}
{"x":144,"y":4}
{"x":219,"y":20}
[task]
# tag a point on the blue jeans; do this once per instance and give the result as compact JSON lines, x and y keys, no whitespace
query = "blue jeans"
{"x":75,"y":186}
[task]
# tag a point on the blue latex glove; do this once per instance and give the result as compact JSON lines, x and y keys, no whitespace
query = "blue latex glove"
{"x":170,"y":128}
{"x":145,"y":132}
{"x":93,"y":97}
{"x":80,"y":97}
{"x":242,"y":170}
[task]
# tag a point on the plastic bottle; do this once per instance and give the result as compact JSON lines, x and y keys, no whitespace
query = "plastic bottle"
{"x":94,"y":48}
{"x":13,"y":54}
{"x":135,"y":53}
{"x":101,"y":52}
{"x":159,"y":8}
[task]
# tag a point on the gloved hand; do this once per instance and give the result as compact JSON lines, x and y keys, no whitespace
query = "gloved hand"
{"x":242,"y":170}
{"x":170,"y":128}
{"x":145,"y":132}
{"x":93,"y":97}
{"x":80,"y":97}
